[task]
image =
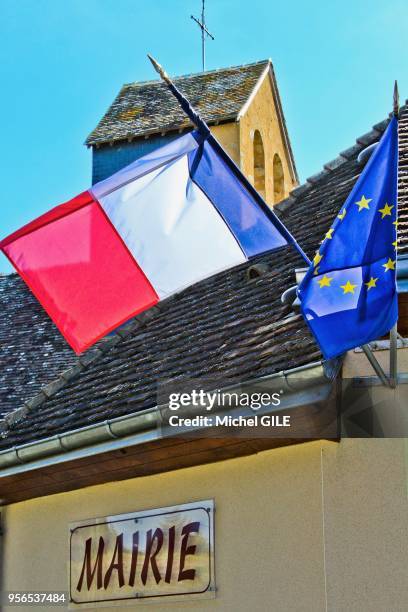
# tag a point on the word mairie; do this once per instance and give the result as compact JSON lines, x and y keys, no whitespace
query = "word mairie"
{"x":157,"y":555}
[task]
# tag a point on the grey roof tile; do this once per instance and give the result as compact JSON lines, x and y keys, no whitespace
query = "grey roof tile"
{"x":369,"y":137}
{"x":353,"y":151}
{"x":32,"y":352}
{"x":315,"y":178}
{"x":335,"y":163}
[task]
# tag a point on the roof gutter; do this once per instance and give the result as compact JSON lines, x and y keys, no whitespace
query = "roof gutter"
{"x":300,"y":386}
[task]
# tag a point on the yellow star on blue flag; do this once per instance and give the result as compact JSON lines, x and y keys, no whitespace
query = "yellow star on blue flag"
{"x":349,"y":296}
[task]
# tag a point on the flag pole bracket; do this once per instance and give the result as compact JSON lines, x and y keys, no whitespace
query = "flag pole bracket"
{"x":391,"y":380}
{"x":376,"y":365}
{"x":393,"y":357}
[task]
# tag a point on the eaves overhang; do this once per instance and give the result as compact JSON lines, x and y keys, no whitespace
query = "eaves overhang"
{"x":302,"y":387}
{"x":164,"y":129}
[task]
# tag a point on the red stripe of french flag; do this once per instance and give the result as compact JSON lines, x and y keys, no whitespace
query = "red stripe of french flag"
{"x":79,"y":268}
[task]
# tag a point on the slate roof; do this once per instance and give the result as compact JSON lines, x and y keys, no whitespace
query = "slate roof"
{"x":148,"y":107}
{"x":32,"y":352}
{"x":228,"y":324}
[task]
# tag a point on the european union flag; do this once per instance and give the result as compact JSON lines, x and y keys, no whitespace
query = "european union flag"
{"x":349,"y":296}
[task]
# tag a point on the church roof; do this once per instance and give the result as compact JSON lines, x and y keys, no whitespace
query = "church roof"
{"x":148,"y":107}
{"x":230,"y":325}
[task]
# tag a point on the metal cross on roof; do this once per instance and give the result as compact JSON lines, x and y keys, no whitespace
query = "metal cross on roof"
{"x":204,"y":31}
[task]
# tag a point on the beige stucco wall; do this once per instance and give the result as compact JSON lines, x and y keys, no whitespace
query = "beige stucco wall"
{"x":366,"y":525}
{"x":237,"y":138}
{"x":227,"y":135}
{"x":261,"y":115}
{"x":313,"y":527}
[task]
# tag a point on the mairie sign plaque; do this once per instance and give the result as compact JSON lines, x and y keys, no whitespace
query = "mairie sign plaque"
{"x":165,"y":553}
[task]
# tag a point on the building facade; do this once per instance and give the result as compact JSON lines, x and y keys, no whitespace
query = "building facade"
{"x":316,"y":526}
{"x":310,"y":518}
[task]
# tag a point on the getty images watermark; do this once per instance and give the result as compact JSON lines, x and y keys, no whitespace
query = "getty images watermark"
{"x":225,"y":400}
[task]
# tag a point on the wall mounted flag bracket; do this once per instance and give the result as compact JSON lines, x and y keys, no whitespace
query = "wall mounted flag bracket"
{"x":391,"y":380}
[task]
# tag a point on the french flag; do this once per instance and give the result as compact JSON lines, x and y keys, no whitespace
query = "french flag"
{"x":166,"y":221}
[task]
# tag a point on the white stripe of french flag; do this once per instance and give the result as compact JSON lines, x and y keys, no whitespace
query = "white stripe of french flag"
{"x":167,"y":221}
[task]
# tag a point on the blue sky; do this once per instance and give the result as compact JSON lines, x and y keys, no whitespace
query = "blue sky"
{"x":63,"y":62}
